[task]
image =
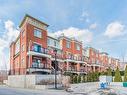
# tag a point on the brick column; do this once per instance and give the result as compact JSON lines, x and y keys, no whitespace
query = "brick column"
{"x":78,"y":66}
{"x":86,"y":68}
{"x":100,"y":69}
{"x":67,"y":66}
{"x":49,"y":62}
{"x":94,"y":68}
{"x":31,"y":60}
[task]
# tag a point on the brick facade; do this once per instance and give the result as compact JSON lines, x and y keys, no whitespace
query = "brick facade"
{"x":31,"y":52}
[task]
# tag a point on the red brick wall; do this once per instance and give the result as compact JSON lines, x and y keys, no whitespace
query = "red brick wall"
{"x":64,"y":48}
{"x":30,"y":36}
{"x":12,"y":49}
{"x":72,"y":48}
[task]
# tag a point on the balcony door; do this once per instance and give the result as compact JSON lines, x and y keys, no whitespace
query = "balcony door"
{"x":37,"y":48}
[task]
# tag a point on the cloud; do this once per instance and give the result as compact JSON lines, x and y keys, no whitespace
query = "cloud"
{"x":82,"y":34}
{"x":8,"y":36}
{"x":85,"y":14}
{"x":114,"y":29}
{"x":84,"y":17}
{"x":93,"y":26}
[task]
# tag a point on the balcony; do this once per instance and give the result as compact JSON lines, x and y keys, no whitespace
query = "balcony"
{"x":38,"y":67}
{"x":43,"y":52}
{"x":59,"y":55}
{"x":71,"y":69}
{"x":74,"y":70}
{"x":77,"y":59}
{"x":96,"y":63}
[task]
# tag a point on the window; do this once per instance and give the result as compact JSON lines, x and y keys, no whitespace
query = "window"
{"x":92,"y":53}
{"x":55,"y":44}
{"x":23,"y":60}
{"x":17,"y":46}
{"x":68,"y":44}
{"x":23,"y":48}
{"x":77,"y":47}
{"x":48,"y":41}
{"x":37,"y":33}
{"x":23,"y":33}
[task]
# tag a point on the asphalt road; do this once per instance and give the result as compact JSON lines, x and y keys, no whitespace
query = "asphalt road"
{"x":4,"y":90}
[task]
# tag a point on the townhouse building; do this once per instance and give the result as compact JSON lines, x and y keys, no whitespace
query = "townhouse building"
{"x":74,"y":58}
{"x":95,"y":59}
{"x":122,"y":66}
{"x":114,"y":63}
{"x":35,"y":51}
{"x":100,"y":61}
{"x":104,"y":59}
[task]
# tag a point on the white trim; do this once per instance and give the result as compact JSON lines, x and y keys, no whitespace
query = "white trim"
{"x":59,"y":48}
{"x":37,"y":43}
{"x":38,"y":54}
{"x":96,"y":65}
{"x":77,"y":72}
{"x":36,"y":69}
{"x":69,"y":60}
{"x":60,"y":60}
{"x":88,"y":64}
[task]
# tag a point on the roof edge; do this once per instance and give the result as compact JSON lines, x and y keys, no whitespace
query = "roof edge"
{"x":32,"y":18}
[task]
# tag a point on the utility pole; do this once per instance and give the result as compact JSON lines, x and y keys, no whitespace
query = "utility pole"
{"x":29,"y":56}
{"x":55,"y":51}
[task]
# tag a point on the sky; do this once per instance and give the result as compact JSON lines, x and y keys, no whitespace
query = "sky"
{"x":101,"y":24}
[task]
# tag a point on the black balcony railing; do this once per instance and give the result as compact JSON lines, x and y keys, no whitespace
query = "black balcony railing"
{"x":39,"y":66}
{"x":72,"y":69}
{"x":76,"y":58}
{"x":40,"y":50}
{"x":75,"y":70}
{"x":58,"y":56}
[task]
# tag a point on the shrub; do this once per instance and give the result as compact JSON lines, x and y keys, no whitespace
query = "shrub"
{"x":109,"y":72}
{"x":89,"y":77}
{"x":125,"y":74}
{"x":75,"y":79}
{"x":79,"y":79}
{"x":117,"y":76}
{"x":84,"y":78}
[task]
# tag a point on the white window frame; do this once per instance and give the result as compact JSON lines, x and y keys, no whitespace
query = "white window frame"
{"x":23,"y":48}
{"x":68,"y":44}
{"x":77,"y":47}
{"x":37,"y":33}
{"x":23,"y":61}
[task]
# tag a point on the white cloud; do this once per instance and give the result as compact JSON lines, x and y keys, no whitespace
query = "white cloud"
{"x":93,"y":26}
{"x":85,"y":14}
{"x":84,"y":17}
{"x":114,"y":29}
{"x":10,"y":35}
{"x":81,"y":34}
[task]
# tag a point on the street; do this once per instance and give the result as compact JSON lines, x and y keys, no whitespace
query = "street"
{"x":4,"y":90}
